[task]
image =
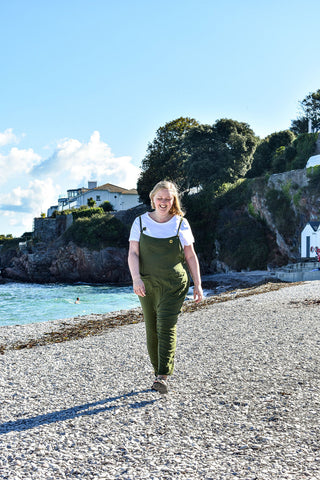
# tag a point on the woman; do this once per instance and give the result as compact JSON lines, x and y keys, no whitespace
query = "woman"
{"x":161,"y":242}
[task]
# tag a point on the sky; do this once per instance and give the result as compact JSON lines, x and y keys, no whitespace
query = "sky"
{"x":85,"y":84}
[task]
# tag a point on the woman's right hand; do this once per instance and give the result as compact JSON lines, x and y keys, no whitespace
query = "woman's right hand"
{"x":139,"y":288}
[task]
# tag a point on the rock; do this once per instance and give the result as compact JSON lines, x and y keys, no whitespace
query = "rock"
{"x":70,"y":263}
{"x":76,"y":264}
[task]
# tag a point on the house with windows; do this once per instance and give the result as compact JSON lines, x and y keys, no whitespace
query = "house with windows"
{"x":310,"y":239}
{"x":119,"y":197}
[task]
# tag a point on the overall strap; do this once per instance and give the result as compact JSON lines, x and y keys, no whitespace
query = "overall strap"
{"x":181,"y":219}
{"x":140,"y":224}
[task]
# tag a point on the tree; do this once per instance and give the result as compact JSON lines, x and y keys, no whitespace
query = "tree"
{"x":310,"y":107}
{"x":107,"y":206}
{"x":300,"y":125}
{"x":90,"y":202}
{"x":263,"y":157}
{"x":165,"y":157}
{"x":219,"y":153}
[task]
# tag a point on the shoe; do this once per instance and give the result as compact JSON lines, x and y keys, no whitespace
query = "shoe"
{"x":160,"y":385}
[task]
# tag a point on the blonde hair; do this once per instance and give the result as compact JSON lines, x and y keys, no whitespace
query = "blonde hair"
{"x":176,"y":206}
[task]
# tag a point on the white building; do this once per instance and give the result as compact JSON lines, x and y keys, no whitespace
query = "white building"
{"x":310,"y":239}
{"x":120,"y":198}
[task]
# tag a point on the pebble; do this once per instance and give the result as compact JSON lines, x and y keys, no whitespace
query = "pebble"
{"x":244,"y":401}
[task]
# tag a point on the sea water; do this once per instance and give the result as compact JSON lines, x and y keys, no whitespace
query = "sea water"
{"x":22,"y":303}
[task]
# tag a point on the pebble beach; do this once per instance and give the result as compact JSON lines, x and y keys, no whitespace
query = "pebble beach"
{"x":244,"y":400}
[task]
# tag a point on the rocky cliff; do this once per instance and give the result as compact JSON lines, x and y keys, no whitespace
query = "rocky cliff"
{"x":295,"y":205}
{"x":69,"y":263}
{"x":49,"y":258}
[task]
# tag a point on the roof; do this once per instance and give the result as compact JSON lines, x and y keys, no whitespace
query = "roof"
{"x":314,"y":225}
{"x":81,"y":190}
{"x":114,"y":189}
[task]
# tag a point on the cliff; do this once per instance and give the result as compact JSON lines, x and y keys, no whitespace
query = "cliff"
{"x":69,"y":263}
{"x":49,"y":258}
{"x":286,"y":202}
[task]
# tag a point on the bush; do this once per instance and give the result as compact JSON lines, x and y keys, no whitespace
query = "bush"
{"x":202,"y":216}
{"x":313,"y":173}
{"x":243,"y":240}
{"x":87,"y":212}
{"x":304,"y":146}
{"x":107,"y":206}
{"x":81,"y":212}
{"x":8,"y":242}
{"x":98,"y":232}
{"x":279,"y":160}
{"x":266,"y":153}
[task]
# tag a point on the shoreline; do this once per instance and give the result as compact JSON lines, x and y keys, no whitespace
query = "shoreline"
{"x":26,"y":336}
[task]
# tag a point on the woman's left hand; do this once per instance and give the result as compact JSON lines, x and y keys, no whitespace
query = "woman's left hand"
{"x":197,"y":293}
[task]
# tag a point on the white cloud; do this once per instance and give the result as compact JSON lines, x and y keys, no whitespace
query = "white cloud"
{"x":33,"y":200}
{"x":94,"y":160}
{"x":8,"y":137}
{"x":17,"y":162}
{"x":30,"y":185}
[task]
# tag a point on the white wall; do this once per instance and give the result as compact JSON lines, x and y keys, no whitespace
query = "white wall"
{"x":118,"y":200}
{"x":314,"y":241}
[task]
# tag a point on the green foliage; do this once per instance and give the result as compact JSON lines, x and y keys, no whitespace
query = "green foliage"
{"x":57,"y":213}
{"x":266,"y":153}
{"x":295,"y":155}
{"x":81,"y":212}
{"x":87,"y":212}
{"x":297,"y":197}
{"x":243,"y":240}
{"x":165,"y":158}
{"x":6,"y":237}
{"x":281,"y":152}
{"x":252,"y":212}
{"x":235,"y":195}
{"x":286,"y":188}
{"x":243,"y":236}
{"x":304,"y":146}
{"x":310,"y":107}
{"x":278,"y":162}
{"x":9,"y":242}
{"x":300,"y":125}
{"x":107,"y":206}
{"x":91,"y":203}
{"x":279,"y":205}
{"x":313,"y":174}
{"x":202,"y":216}
{"x":220,"y":153}
{"x":98,"y":232}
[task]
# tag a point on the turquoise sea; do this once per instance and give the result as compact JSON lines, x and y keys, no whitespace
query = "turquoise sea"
{"x":22,"y":303}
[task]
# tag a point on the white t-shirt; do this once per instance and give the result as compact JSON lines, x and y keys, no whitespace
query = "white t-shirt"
{"x":162,"y":230}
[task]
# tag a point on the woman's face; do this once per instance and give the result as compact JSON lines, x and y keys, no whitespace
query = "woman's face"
{"x":163,"y":201}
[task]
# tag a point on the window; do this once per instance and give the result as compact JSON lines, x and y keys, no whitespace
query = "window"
{"x":98,"y":198}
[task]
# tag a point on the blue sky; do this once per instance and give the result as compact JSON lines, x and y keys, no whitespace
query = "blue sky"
{"x":84,"y":85}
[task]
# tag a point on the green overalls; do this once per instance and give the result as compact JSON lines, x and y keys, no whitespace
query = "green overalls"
{"x":164,"y":273}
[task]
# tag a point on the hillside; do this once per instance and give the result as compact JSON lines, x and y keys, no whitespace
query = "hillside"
{"x":255,"y":223}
